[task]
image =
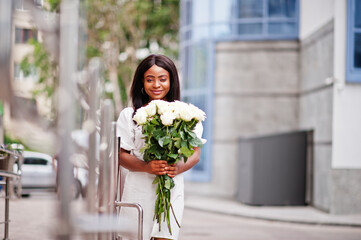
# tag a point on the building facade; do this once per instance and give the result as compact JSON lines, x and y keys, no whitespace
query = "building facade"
{"x":261,"y":67}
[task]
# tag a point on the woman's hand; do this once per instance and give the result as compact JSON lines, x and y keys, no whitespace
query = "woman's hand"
{"x":173,"y":169}
{"x":157,"y":167}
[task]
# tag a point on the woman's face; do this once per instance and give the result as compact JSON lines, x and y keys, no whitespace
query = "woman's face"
{"x":156,"y":82}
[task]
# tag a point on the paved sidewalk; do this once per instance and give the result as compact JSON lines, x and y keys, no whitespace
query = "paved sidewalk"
{"x":35,"y":218}
{"x":292,"y":214}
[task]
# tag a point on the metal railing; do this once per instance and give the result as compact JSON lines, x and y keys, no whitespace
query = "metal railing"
{"x":100,"y":219}
{"x":6,"y":171}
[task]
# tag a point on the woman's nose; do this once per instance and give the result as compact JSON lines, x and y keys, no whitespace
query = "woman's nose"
{"x":156,"y":83}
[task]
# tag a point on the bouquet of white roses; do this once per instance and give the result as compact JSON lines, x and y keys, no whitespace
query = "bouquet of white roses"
{"x":168,"y":132}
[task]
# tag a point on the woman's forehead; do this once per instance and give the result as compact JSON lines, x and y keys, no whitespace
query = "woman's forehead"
{"x":156,"y":71}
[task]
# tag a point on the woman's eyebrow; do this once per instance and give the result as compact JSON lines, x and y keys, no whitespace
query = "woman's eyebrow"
{"x":149,"y":75}
{"x":164,"y":75}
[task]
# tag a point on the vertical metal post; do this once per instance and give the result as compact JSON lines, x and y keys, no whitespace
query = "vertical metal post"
{"x":114,"y":176}
{"x":6,"y":11}
{"x":106,"y":145}
{"x":5,"y":49}
{"x":114,"y":167}
{"x":94,"y":76}
{"x":7,"y":198}
{"x":68,"y":68}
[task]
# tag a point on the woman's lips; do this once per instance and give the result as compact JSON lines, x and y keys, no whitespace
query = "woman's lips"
{"x":157,"y":92}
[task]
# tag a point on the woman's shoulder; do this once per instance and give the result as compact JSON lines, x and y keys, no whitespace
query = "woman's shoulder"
{"x":128,"y":110}
{"x":126,"y":114}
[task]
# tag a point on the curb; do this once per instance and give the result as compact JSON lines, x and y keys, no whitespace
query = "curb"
{"x":290,"y":214}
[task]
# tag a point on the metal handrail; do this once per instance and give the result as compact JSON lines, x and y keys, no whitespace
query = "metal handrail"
{"x":7,"y":175}
{"x":2,"y":149}
{"x":140,"y":215}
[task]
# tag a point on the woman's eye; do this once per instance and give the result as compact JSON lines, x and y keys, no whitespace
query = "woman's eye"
{"x":163,"y":80}
{"x":149,"y":80}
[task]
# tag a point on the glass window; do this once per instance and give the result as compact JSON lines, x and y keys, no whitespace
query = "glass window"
{"x":281,"y":8}
{"x":200,"y":14}
{"x":17,"y":71}
{"x":353,"y":72}
{"x":222,"y":10}
{"x":357,"y":14}
{"x":221,"y":30}
{"x":250,"y":8}
{"x":281,"y":28}
{"x":188,"y":13}
{"x":250,"y":29}
{"x":31,"y":76}
{"x":200,"y":66}
{"x":35,"y":161}
{"x":200,"y":33}
{"x":255,"y":19}
{"x":22,"y":35}
{"x":357,"y":52}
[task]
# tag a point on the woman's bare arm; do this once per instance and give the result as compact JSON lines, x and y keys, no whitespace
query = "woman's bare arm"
{"x":132,"y":163}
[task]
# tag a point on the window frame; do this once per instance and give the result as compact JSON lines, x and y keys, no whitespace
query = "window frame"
{"x":20,"y":35}
{"x":353,"y":75}
{"x":235,"y":22}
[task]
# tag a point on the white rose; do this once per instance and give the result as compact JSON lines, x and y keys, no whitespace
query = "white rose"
{"x":178,"y":106}
{"x":161,"y":106}
{"x":140,"y":116}
{"x":151,"y":109}
{"x":185,"y":114}
{"x":197,"y":113}
{"x":167,"y":118}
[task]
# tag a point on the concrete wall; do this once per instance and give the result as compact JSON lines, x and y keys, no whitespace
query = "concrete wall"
{"x":256,"y":87}
{"x":346,"y":155}
{"x":314,"y":15}
{"x":346,"y":191}
{"x":316,"y":108}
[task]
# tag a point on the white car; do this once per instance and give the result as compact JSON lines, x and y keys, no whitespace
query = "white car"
{"x":38,"y":173}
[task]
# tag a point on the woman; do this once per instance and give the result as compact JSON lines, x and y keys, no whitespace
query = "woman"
{"x":155,"y":78}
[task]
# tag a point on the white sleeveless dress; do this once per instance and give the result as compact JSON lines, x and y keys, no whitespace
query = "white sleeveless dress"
{"x":139,"y":187}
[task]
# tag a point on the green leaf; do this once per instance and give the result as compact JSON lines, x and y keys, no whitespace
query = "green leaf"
{"x":184,"y":144}
{"x":159,"y":133}
{"x":176,"y":124}
{"x":146,"y":157}
{"x":186,"y":151}
{"x":167,"y":184}
{"x":156,"y":180}
{"x":170,"y":145}
{"x":152,"y":149}
{"x":191,"y":135}
{"x":195,"y":142}
{"x":158,"y":155}
{"x":177,"y":143}
{"x":163,"y":141}
{"x":182,"y":135}
{"x":143,"y":149}
{"x":154,"y":121}
{"x":172,"y":155}
{"x":175,"y":134}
